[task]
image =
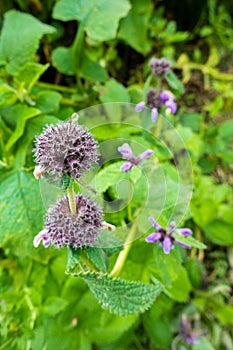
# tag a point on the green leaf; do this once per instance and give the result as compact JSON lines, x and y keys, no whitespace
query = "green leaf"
{"x":100,"y":18}
{"x":92,"y":70}
{"x":98,"y":257}
{"x":21,"y":114}
{"x":8,"y":95}
{"x":189,"y":240}
{"x":48,"y":101}
{"x":28,"y":75}
{"x":134,"y":28}
{"x":73,"y":257}
{"x":181,"y":286}
{"x":20,"y":38}
{"x":120,"y":296}
{"x":63,"y":59}
{"x":54,"y":305}
{"x":21,"y":211}
{"x":174,"y":82}
{"x":219,"y":232}
{"x":114,"y":92}
{"x":111,"y":175}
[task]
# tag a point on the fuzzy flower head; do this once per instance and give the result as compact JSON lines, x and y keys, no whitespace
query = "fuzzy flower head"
{"x":159,"y":66}
{"x":186,"y":331}
{"x":156,"y":100}
{"x":165,"y":236}
{"x":127,"y":153}
{"x":62,"y":228}
{"x":65,"y":149}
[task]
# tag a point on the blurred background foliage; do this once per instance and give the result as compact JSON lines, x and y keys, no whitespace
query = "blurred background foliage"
{"x":58,"y":57}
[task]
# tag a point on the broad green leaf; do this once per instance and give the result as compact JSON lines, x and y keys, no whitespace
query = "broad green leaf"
{"x":63,"y":59}
{"x":21,"y":114}
{"x":189,"y":240}
{"x":202,"y":344}
{"x":134,"y":28}
{"x":28,"y":75}
{"x":100,"y":18}
{"x":219,"y":232}
{"x":8,"y":95}
{"x":114,"y":92}
{"x":98,"y":257}
{"x":174,"y":82}
{"x":20,"y":38}
{"x":112,"y":174}
{"x":120,"y":296}
{"x":181,"y":286}
{"x":54,"y":305}
{"x":48,"y":101}
{"x":92,"y":70}
{"x":21,"y":211}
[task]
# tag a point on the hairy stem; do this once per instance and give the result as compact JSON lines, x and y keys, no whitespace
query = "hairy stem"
{"x":70,"y":194}
{"x":124,"y":253}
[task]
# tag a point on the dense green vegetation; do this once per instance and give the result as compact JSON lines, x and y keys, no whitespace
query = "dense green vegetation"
{"x":92,"y":57}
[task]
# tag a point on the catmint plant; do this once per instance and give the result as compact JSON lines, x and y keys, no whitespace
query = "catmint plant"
{"x":158,"y":98}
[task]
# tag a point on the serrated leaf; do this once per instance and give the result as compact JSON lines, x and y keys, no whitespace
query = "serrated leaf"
{"x":98,"y":257}
{"x":120,"y":296}
{"x":189,"y":240}
{"x":20,"y":38}
{"x":174,"y":82}
{"x":100,"y":18}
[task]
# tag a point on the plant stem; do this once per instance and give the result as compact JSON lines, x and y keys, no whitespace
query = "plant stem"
{"x":88,"y":262}
{"x":124,"y":253}
{"x":70,"y":194}
{"x":56,"y":87}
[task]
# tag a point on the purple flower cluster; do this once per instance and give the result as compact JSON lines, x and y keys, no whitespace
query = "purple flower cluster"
{"x":186,"y":331}
{"x":62,"y":228}
{"x":66,"y":148}
{"x":127,"y":153}
{"x":159,"y":66}
{"x":165,"y":236}
{"x":156,"y":101}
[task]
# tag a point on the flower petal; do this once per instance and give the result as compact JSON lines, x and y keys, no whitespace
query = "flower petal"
{"x":154,"y":114}
{"x":184,"y":231}
{"x":154,"y":223}
{"x":126,"y":151}
{"x":153,"y":237}
{"x":140,"y":106}
{"x":145,"y":154}
{"x":186,"y":246}
{"x":171,"y":105}
{"x":167,"y":245}
{"x":126,"y":166}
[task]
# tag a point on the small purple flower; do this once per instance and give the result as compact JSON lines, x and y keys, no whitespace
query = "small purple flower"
{"x":140,"y":106}
{"x":171,"y":106}
{"x":166,"y":236}
{"x":132,"y":160}
{"x":186,"y":331}
{"x":159,"y":66}
{"x":154,"y":114}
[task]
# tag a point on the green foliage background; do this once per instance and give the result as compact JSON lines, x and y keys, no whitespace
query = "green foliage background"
{"x":59,"y":57}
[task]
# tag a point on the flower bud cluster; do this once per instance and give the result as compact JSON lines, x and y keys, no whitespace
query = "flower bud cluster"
{"x":159,"y":66}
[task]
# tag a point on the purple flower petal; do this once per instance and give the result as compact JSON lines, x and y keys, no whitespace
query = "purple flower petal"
{"x":41,"y":236}
{"x":164,"y":95}
{"x":186,"y":246}
{"x":153,"y":237}
{"x":154,"y":114}
{"x":167,"y":245}
{"x":126,"y":151}
{"x":145,"y":154}
{"x":184,"y":231}
{"x":154,"y":223}
{"x":140,"y":106}
{"x":171,"y":105}
{"x":126,"y":166}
